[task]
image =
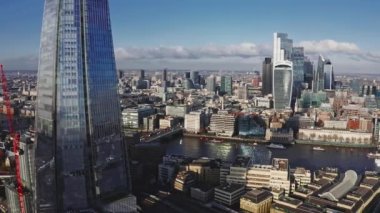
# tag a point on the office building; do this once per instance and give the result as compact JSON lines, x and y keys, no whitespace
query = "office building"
{"x":256,"y":79}
{"x":228,"y":194}
{"x":133,"y":117}
{"x":142,"y":75}
{"x":302,"y":177}
{"x":324,"y":75}
{"x":298,"y":59}
{"x":210,"y":84}
{"x":185,"y":180}
{"x":226,"y":85}
{"x":166,"y":172}
{"x":12,"y":197}
{"x":77,"y":110}
{"x":202,"y":193}
{"x":282,"y":84}
{"x":238,"y":170}
{"x":258,"y":176}
{"x":165,"y":75}
{"x":256,"y":201}
{"x":207,"y":170}
{"x":282,"y":47}
{"x":279,"y":175}
{"x":224,"y":171}
{"x":248,"y":126}
{"x":308,"y":72}
{"x":223,"y":124}
{"x":188,"y":84}
{"x":275,"y":176}
{"x":194,"y":75}
{"x":195,"y":122}
{"x":267,"y":79}
{"x":328,"y":70}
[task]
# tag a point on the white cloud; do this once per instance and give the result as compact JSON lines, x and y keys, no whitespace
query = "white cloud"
{"x":329,"y":46}
{"x":242,"y":50}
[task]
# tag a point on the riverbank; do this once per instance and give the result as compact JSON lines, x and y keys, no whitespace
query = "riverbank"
{"x":263,"y":141}
{"x":332,"y":144}
{"x":227,"y":139}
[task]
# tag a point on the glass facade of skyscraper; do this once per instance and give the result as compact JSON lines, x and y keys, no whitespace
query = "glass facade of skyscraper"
{"x":298,"y":60}
{"x":79,"y":155}
{"x":226,"y":84}
{"x":282,"y":85}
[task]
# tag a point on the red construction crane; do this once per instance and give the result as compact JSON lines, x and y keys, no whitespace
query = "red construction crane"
{"x":16,"y":139}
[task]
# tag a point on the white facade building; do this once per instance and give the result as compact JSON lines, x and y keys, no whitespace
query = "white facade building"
{"x":194,"y":122}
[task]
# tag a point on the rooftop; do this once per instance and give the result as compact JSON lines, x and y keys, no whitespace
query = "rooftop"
{"x":230,"y":188}
{"x":257,"y":195}
{"x":342,"y":188}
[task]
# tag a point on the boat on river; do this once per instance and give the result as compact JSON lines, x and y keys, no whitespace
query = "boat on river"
{"x":276,"y":146}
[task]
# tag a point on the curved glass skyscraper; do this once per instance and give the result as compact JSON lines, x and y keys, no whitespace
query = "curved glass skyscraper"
{"x":80,"y":157}
{"x":282,"y":84}
{"x":282,"y":70}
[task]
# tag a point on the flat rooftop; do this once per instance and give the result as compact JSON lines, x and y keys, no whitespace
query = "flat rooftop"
{"x":257,"y":195}
{"x":230,"y":188}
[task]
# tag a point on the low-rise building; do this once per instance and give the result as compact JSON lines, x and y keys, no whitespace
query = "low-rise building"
{"x":279,"y":174}
{"x":336,"y":136}
{"x":223,"y":124}
{"x":301,"y":176}
{"x":229,"y":194}
{"x":202,"y":193}
{"x":256,"y":201}
{"x":166,"y":172}
{"x":168,"y":122}
{"x":184,"y":180}
{"x":194,"y":122}
{"x":207,"y":170}
{"x":238,"y":170}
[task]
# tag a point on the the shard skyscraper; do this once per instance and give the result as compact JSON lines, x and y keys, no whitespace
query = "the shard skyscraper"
{"x":80,"y":157}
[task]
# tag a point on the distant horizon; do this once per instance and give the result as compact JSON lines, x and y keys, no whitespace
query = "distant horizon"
{"x":205,"y":70}
{"x":234,"y":35}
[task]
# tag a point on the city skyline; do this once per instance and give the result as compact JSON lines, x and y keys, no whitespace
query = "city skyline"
{"x":234,"y":36}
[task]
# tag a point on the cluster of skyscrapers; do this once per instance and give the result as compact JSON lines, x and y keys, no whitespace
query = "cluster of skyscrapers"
{"x":290,"y":71}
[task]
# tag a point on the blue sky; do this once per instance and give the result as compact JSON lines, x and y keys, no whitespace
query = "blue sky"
{"x":212,"y":34}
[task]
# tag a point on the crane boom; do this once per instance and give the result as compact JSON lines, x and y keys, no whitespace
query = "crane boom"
{"x":16,"y":139}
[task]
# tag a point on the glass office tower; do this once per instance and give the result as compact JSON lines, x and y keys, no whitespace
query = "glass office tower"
{"x":282,"y":84}
{"x":298,"y":59}
{"x":329,"y":75}
{"x":80,"y":158}
{"x":226,"y":84}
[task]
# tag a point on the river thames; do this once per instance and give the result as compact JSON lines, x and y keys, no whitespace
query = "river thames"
{"x":298,"y":155}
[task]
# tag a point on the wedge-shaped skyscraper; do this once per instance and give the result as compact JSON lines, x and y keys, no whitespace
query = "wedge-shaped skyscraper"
{"x":80,"y":158}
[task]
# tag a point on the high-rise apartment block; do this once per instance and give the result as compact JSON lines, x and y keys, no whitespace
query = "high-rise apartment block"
{"x":80,"y":157}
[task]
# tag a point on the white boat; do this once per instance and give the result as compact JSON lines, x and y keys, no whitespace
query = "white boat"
{"x":180,"y":142}
{"x":215,"y":141}
{"x":318,"y":148}
{"x":375,"y":155}
{"x":276,"y":146}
